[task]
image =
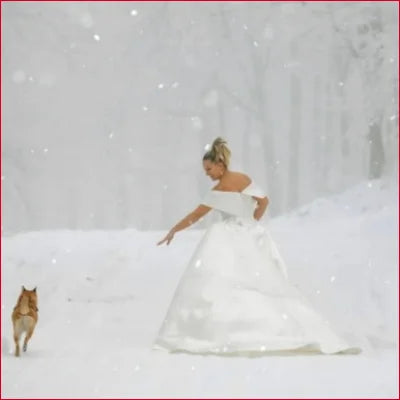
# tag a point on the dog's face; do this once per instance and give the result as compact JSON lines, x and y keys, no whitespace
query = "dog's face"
{"x":31,"y":294}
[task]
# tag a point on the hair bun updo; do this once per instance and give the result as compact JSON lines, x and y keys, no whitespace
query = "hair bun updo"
{"x":219,"y":152}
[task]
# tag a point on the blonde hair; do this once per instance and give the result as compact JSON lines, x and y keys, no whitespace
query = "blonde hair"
{"x":219,"y":152}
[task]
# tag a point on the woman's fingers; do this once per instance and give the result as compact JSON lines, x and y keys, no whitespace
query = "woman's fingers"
{"x":161,"y":242}
{"x":167,"y":239}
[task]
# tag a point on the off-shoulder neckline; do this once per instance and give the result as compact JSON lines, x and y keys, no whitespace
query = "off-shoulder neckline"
{"x":231,"y":191}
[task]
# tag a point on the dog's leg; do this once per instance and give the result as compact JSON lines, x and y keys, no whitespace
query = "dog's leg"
{"x":16,"y":340}
{"x":29,"y":334}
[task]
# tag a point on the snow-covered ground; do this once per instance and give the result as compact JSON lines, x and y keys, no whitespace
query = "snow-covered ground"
{"x":103,"y":295}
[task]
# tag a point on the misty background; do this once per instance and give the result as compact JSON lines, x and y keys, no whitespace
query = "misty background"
{"x":108,"y":106}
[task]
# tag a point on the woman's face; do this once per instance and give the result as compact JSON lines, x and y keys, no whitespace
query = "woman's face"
{"x":213,"y":170}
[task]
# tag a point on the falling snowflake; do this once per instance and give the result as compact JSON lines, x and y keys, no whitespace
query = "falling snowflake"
{"x":255,"y":43}
{"x":134,"y":13}
{"x":341,"y":83}
{"x":318,"y":291}
{"x":175,"y":85}
{"x":144,"y":108}
{"x":161,"y":86}
{"x":332,"y":278}
{"x":393,"y":117}
{"x":96,"y":37}
{"x":245,"y":27}
{"x":198,"y":263}
{"x":207,"y":147}
{"x":45,"y":150}
{"x":111,"y":135}
{"x":284,"y":316}
{"x":53,"y":261}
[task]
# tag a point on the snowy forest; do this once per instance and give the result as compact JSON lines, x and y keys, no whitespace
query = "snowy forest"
{"x":108,"y":106}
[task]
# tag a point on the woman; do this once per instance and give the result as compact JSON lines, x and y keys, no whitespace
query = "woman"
{"x":235,"y":297}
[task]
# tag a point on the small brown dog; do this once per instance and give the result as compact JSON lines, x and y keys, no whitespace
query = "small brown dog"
{"x":24,"y":317}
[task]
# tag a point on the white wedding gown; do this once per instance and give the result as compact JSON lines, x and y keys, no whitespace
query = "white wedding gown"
{"x":235,"y":298}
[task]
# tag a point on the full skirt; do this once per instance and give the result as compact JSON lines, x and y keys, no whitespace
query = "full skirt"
{"x":235,"y":298}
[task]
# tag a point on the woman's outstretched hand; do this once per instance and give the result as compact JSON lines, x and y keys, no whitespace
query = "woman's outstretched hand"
{"x":167,"y":238}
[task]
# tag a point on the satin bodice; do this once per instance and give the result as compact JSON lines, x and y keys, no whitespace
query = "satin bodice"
{"x":234,"y":204}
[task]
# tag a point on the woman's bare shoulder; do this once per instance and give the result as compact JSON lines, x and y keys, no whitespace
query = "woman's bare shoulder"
{"x":241,"y":178}
{"x":235,"y":182}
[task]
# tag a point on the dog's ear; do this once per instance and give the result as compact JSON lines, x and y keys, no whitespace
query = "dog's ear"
{"x":35,"y":289}
{"x":23,"y":288}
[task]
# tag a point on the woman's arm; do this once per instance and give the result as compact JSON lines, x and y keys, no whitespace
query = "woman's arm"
{"x":190,"y":219}
{"x":262,"y":203}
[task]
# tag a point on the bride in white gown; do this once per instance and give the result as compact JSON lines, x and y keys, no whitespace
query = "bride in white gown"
{"x":234,"y":297}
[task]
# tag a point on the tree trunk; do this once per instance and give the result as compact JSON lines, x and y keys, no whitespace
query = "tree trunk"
{"x":221,"y":116}
{"x":294,"y":133}
{"x":344,"y":124}
{"x":246,"y":159}
{"x":327,"y":140}
{"x":317,"y":132}
{"x":376,"y":152}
